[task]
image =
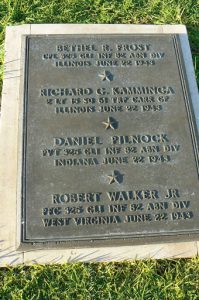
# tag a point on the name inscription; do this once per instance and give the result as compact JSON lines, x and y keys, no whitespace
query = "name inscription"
{"x":130,"y":206}
{"x":104,"y":55}
{"x":104,"y":99}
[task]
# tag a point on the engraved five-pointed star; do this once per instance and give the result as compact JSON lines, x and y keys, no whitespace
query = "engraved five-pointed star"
{"x":110,"y":123}
{"x":106,"y":75}
{"x":114,"y":177}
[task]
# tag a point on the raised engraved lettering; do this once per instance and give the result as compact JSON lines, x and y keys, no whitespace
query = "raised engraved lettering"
{"x":115,"y":160}
{"x":133,"y":195}
{"x":181,"y":204}
{"x":76,"y":47}
{"x":137,"y":139}
{"x":73,"y":198}
{"x":172,"y":193}
{"x":97,"y":220}
{"x":182,"y":215}
{"x":56,"y":222}
{"x":138,"y":218}
{"x":117,"y":207}
{"x":50,"y":92}
{"x":77,"y":141}
{"x":133,"y":47}
{"x":76,"y":162}
{"x":153,"y":90}
{"x":75,"y":109}
{"x":157,"y":206}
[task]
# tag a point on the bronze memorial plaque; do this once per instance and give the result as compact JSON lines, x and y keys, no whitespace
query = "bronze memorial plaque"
{"x":110,"y":152}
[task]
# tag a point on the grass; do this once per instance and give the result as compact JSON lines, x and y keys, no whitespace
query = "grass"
{"x":163,"y":279}
{"x":143,"y":280}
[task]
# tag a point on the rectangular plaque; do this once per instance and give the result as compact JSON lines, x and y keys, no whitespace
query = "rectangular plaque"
{"x":110,"y":152}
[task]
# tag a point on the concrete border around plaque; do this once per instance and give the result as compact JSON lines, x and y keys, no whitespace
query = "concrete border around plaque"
{"x":11,"y":128}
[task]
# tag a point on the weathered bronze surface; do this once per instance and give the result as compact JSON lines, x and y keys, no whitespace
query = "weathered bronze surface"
{"x":110,"y":152}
